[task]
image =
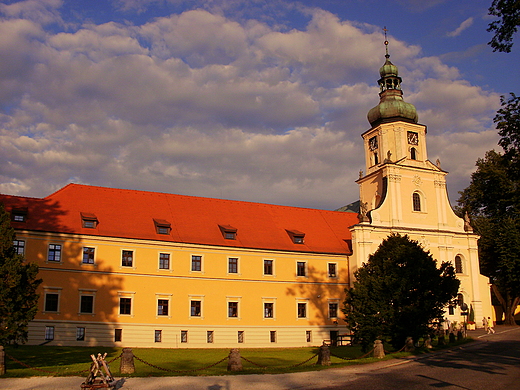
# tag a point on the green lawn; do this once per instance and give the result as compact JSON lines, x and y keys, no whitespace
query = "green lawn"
{"x":62,"y":361}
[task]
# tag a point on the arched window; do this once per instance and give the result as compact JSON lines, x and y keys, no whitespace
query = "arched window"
{"x":413,"y":154}
{"x":376,"y":158}
{"x":458,"y":264}
{"x":416,"y":199}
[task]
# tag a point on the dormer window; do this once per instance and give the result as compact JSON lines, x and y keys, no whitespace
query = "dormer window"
{"x":89,"y":220}
{"x":296,"y":236}
{"x":19,"y":215}
{"x":229,"y":232}
{"x":162,"y":226}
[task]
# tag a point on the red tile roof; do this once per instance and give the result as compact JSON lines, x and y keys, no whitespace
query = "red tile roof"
{"x":131,"y":214}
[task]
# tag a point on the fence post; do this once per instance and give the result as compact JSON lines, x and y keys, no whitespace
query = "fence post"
{"x":324,"y":356}
{"x":234,"y":360}
{"x":379,"y":351}
{"x":127,"y":362}
{"x":2,"y":360}
{"x":409,"y":347}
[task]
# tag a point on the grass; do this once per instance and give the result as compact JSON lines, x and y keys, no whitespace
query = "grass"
{"x":65,"y":361}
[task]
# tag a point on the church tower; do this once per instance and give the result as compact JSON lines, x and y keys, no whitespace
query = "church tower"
{"x":403,"y":192}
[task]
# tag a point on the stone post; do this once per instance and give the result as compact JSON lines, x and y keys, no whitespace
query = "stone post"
{"x":379,"y":351}
{"x":452,"y":337}
{"x":234,"y":360}
{"x":408,"y":346}
{"x":428,"y":342}
{"x":127,"y":362}
{"x":2,"y":360}
{"x":441,"y":340}
{"x":324,"y":356}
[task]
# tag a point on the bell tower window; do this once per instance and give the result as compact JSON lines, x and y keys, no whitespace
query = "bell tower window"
{"x":416,"y":200}
{"x":413,"y":154}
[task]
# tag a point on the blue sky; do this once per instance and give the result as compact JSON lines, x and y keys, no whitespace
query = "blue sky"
{"x":260,"y":101}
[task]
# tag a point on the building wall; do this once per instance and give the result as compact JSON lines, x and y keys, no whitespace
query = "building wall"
{"x":107,"y":280}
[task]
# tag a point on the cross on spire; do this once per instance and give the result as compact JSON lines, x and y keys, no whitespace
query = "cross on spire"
{"x":386,"y":43}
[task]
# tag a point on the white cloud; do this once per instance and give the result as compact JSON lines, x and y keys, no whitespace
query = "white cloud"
{"x":463,"y":26}
{"x":199,"y":104}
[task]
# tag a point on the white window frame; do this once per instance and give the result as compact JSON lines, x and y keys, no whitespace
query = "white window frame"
{"x":269,"y":300}
{"x":273,"y":274}
{"x":199,"y":298}
{"x":305,"y":269}
{"x":238,"y":265}
{"x":336,"y":269}
{"x":83,"y":253}
{"x":302,"y":301}
{"x":51,"y":290}
{"x":165,"y":297}
{"x":329,"y":302}
{"x":47,"y":261}
{"x":201,"y":271}
{"x":87,"y":292}
{"x":239,"y":305}
{"x":134,"y":258}
{"x":126,"y":294}
{"x":169,"y":269}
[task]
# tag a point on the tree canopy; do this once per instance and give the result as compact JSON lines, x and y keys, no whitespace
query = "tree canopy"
{"x":18,"y":284}
{"x":508,"y":12}
{"x":398,"y":293}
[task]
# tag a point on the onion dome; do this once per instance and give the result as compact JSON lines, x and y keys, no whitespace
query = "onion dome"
{"x":391,"y":105}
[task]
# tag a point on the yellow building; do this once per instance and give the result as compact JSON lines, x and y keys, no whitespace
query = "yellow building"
{"x":145,"y":269}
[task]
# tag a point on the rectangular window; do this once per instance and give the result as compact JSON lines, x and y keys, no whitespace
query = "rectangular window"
{"x":272,"y":336}
{"x":158,"y":336}
{"x":232,"y":309}
{"x":80,"y":334}
{"x":230,"y":235}
{"x":54,"y":253}
{"x":19,"y":247}
{"x":49,"y":333}
{"x":333,"y":310}
{"x":300,"y":268}
{"x":184,"y":336}
{"x":127,"y":259}
{"x":302,"y":310}
{"x":162,"y":307}
{"x":268,"y":267}
{"x":118,"y":335}
{"x":195,"y":308}
{"x":332,"y":270}
{"x":88,"y":255}
{"x":51,"y":302}
{"x":125,"y":306}
{"x":240,"y":336}
{"x":209,"y":336}
{"x":233,"y":265}
{"x":308,"y":335}
{"x":89,"y":223}
{"x":196,"y":263}
{"x":86,"y":304}
{"x":164,"y":261}
{"x":268,"y":310}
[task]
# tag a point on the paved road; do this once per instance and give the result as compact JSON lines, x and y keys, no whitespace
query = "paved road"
{"x":491,"y":363}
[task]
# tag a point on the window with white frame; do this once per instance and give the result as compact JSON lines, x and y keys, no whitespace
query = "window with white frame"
{"x":268,"y":267}
{"x":163,"y":307}
{"x":158,"y":335}
{"x":209,"y":336}
{"x":19,"y":247}
{"x":49,"y":333}
{"x":196,"y":263}
{"x":51,"y":303}
{"x":233,"y":265}
{"x":195,"y":308}
{"x":86,"y":303}
{"x":333,"y":310}
{"x":184,"y":336}
{"x":333,"y":270}
{"x":54,"y":253}
{"x":164,"y":261}
{"x":240,"y":336}
{"x":301,"y":268}
{"x":127,"y":258}
{"x":302,"y":309}
{"x":232,"y":309}
{"x":126,"y":304}
{"x":268,"y":310}
{"x":88,"y":255}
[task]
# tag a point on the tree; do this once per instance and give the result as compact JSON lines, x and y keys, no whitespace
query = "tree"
{"x":18,"y":284}
{"x":493,"y":202}
{"x":398,"y":293}
{"x":507,"y":120}
{"x":509,"y":13}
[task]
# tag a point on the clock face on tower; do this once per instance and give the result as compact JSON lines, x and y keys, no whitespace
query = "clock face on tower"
{"x":413,"y":138}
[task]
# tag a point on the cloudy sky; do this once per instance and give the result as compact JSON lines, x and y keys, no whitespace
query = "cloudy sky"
{"x":256,"y":100}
